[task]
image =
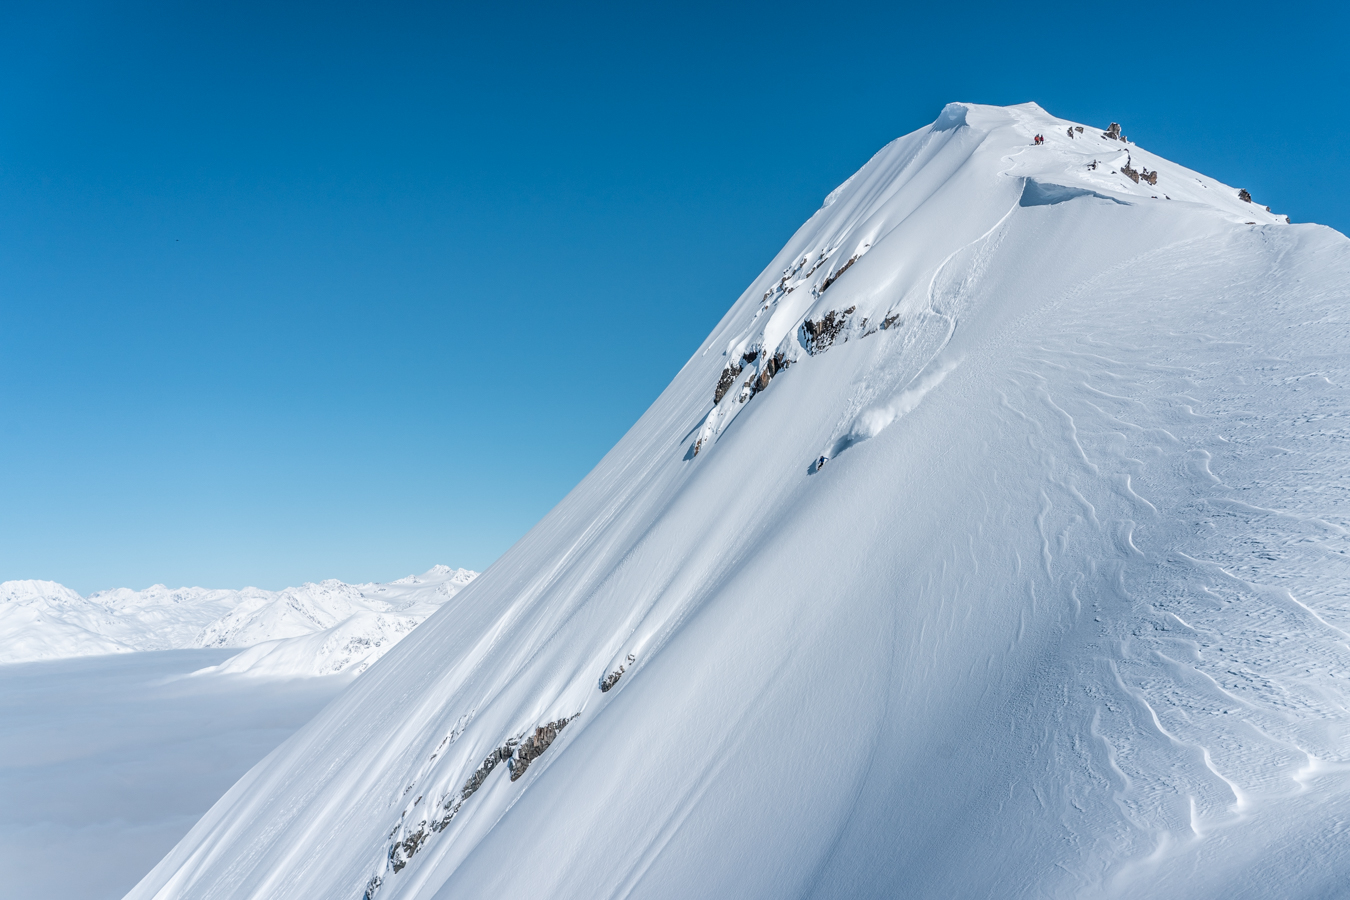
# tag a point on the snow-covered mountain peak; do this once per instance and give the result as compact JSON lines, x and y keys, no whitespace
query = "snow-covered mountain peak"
{"x":33,"y":590}
{"x":1063,"y":615}
{"x":881,"y":252}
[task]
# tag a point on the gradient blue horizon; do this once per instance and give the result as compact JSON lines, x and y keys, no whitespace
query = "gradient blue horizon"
{"x":344,"y":291}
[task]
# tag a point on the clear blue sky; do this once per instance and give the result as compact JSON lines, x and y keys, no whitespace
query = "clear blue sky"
{"x":298,"y":291}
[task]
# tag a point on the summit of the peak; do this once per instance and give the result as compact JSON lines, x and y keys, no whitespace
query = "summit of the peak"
{"x":877,"y":253}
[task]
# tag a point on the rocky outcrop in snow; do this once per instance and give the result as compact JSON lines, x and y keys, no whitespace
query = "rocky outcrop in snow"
{"x":413,"y":831}
{"x":607,"y":683}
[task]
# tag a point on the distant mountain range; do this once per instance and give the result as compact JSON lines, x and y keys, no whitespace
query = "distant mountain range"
{"x":313,"y":629}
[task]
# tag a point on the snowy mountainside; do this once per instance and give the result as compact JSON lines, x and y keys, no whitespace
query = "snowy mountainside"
{"x":315,"y":628}
{"x":1063,"y":613}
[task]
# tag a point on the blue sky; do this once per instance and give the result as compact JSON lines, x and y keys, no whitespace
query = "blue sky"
{"x":299,"y":291}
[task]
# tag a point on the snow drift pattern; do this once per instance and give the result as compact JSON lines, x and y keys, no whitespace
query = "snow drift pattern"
{"x":1064,"y":617}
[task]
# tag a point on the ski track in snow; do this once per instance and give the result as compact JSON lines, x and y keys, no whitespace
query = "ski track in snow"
{"x":1070,"y":621}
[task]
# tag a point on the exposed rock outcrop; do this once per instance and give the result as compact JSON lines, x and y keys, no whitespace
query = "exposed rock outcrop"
{"x":1141,"y":174}
{"x":534,"y":746}
{"x":726,"y":381}
{"x":772,"y":367}
{"x":817,"y":336}
{"x":613,"y":677}
{"x":1112,"y":133}
{"x":1244,"y":196}
{"x":406,"y":839}
{"x":832,"y":278}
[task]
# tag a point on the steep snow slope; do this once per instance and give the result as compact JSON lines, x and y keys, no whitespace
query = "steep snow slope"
{"x":1064,"y":614}
{"x":313,"y":629}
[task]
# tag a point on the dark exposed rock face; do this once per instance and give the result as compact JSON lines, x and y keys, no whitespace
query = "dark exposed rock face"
{"x":772,"y":367}
{"x":402,"y":851}
{"x":534,"y":746}
{"x":726,"y":381}
{"x":831,"y":279}
{"x":613,"y":677}
{"x":478,"y":777}
{"x":817,"y":336}
{"x":1078,"y":128}
{"x":1112,"y":133}
{"x":1139,"y":175}
{"x":1244,"y":196}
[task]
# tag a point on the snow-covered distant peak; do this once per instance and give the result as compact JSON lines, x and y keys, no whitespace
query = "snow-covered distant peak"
{"x":436,"y":575}
{"x":362,"y":623}
{"x":34,"y":591}
{"x":46,"y":620}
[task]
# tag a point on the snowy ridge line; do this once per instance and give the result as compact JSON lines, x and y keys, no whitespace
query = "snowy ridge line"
{"x":314,"y":629}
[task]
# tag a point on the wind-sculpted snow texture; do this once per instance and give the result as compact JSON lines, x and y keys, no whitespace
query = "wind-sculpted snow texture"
{"x":1064,"y":615}
{"x":315,"y":629}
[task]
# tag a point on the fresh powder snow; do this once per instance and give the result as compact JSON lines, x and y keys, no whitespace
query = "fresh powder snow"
{"x":1063,"y":614}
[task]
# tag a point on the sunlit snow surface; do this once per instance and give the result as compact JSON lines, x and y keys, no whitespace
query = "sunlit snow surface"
{"x":1065,"y":613}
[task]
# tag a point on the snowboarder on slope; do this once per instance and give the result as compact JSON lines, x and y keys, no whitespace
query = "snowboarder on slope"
{"x":820,"y":463}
